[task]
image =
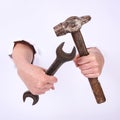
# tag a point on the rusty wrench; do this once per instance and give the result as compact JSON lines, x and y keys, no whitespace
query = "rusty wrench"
{"x":61,"y":58}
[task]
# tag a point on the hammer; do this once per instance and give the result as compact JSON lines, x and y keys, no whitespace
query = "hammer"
{"x":72,"y":25}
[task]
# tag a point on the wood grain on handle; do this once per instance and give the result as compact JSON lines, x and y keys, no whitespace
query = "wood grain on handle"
{"x":82,"y":50}
{"x":97,"y":90}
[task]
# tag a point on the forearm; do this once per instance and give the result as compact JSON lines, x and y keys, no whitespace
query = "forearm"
{"x":33,"y":76}
{"x":22,"y":54}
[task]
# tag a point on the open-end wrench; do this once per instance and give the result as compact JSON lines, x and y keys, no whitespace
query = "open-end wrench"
{"x":61,"y":58}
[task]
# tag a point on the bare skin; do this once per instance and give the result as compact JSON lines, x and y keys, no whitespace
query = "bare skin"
{"x":91,"y":66}
{"x":35,"y":78}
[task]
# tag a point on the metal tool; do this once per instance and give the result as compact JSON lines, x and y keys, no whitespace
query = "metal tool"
{"x":61,"y":58}
{"x":72,"y":25}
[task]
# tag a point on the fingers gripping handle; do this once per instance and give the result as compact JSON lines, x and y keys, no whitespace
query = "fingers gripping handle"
{"x":61,"y":58}
{"x":95,"y":85}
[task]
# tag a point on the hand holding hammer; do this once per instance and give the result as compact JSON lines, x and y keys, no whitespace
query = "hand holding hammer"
{"x":72,"y":25}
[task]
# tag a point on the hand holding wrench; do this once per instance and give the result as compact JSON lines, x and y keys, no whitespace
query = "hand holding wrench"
{"x":61,"y":58}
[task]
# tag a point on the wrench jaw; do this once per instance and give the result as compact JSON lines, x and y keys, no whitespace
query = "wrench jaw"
{"x":63,"y":55}
{"x":34,"y":97}
{"x":60,"y":59}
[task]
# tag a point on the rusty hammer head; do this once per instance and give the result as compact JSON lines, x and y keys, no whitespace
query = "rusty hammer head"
{"x":71,"y":24}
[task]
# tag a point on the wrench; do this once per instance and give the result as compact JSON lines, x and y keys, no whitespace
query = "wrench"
{"x":61,"y":58}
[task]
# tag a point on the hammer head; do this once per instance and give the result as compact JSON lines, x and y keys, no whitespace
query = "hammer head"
{"x":71,"y":24}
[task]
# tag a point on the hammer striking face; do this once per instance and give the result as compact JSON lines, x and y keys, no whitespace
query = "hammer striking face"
{"x":70,"y":25}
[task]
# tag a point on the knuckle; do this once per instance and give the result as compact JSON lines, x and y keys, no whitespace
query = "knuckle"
{"x":94,"y":59}
{"x":83,"y":72}
{"x":52,"y":79}
{"x":97,"y":74}
{"x":97,"y":71}
{"x":40,"y":84}
{"x":34,"y":92}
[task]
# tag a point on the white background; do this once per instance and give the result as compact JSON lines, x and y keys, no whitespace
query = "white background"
{"x":72,"y":99}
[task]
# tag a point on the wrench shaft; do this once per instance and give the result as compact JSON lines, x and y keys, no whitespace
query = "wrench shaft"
{"x":54,"y":67}
{"x":61,"y":58}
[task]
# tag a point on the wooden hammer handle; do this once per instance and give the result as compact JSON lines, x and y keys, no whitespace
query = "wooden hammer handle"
{"x":95,"y":85}
{"x":97,"y":90}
